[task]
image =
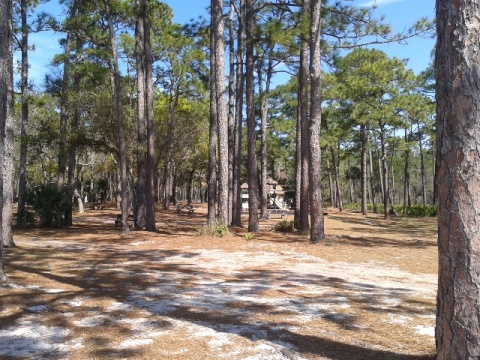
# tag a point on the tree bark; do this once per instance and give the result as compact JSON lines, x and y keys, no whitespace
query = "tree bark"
{"x":118,"y":105}
{"x":231,"y":111}
{"x":6,"y":101}
{"x":22,"y":181}
{"x":150,"y":120}
{"x":422,"y":169}
{"x":222,"y":117}
{"x":317,"y":228}
{"x":239,"y":87}
{"x":338,"y":190}
{"x":303,"y":101}
{"x":458,"y":138}
{"x":251,"y":123}
{"x":406,"y":174}
{"x":363,"y":168}
{"x":213,"y":137}
{"x":141,"y":114}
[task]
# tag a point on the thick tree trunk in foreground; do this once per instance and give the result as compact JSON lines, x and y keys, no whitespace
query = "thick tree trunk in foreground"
{"x":458,"y":182}
{"x":6,"y":100}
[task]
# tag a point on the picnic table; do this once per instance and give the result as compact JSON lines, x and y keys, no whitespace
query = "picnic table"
{"x":276,"y":213}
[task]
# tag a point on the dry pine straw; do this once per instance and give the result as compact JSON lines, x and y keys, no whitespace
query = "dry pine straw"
{"x":366,"y":292}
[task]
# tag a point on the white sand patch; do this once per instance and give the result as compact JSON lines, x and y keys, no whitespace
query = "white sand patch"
{"x":425,"y":330}
{"x":91,"y":321}
{"x":398,"y":319}
{"x":29,"y":338}
{"x":134,"y":343}
{"x":75,"y":302}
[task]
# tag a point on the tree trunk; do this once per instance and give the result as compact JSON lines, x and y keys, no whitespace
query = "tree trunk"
{"x":72,"y":151}
{"x":237,"y":161}
{"x":222,"y":117}
{"x":118,"y":105}
{"x":317,"y":228}
{"x":337,"y":179}
{"x":22,"y":181}
{"x":384,"y":168}
{"x":7,"y":212}
{"x":6,"y":102}
{"x":363,"y":168}
{"x":141,"y":114}
{"x":422,"y":170}
{"x":64,"y":100}
{"x":263,"y":144}
{"x":303,"y":103}
{"x":372,"y":178}
{"x":458,"y":166}
{"x":264,"y":96}
{"x":150,"y":119}
{"x":213,"y":136}
{"x":298,"y":167}
{"x":251,"y":123}
{"x":406,"y":175}
{"x":332,"y":187}
{"x":231,"y":111}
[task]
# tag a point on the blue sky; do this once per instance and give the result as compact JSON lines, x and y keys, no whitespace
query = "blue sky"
{"x":400,"y":14}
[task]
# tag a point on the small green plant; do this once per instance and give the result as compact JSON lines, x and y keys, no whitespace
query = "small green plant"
{"x":50,"y":204}
{"x":249,"y":236}
{"x":285,"y":226}
{"x":217,"y":230}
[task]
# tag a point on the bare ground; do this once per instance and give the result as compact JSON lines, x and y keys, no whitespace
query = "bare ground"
{"x":367,"y":292}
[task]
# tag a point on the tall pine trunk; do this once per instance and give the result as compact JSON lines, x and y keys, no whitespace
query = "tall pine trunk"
{"x":363,"y":168}
{"x":317,"y":229}
{"x":303,"y":103}
{"x":141,"y":114}
{"x":251,"y":123}
{"x":222,"y":116}
{"x":6,"y":101}
{"x":458,"y":181}
{"x":118,"y":106}
{"x":239,"y":87}
{"x":150,"y":120}
{"x":22,"y":180}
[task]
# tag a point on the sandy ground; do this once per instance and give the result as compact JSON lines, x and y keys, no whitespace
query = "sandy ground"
{"x":87,"y":292}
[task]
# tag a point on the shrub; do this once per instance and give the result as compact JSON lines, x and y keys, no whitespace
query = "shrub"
{"x":217,"y":230}
{"x":285,"y":226}
{"x":420,"y":210}
{"x":50,"y":204}
{"x":249,"y":236}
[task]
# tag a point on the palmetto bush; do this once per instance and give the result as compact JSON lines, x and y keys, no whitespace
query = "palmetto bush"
{"x":51,"y":204}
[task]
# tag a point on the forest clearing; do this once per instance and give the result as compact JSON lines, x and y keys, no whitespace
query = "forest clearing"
{"x":86,"y":292}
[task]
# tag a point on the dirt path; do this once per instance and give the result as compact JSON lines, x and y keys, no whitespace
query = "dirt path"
{"x":88,"y":293}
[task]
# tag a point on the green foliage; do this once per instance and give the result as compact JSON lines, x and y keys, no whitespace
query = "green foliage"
{"x":414,"y":210}
{"x":218,"y":230}
{"x":285,"y":226}
{"x":249,"y":236}
{"x":50,"y":204}
{"x":419,"y":210}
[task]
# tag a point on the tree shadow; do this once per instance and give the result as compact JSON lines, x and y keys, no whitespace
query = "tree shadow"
{"x":177,"y":285}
